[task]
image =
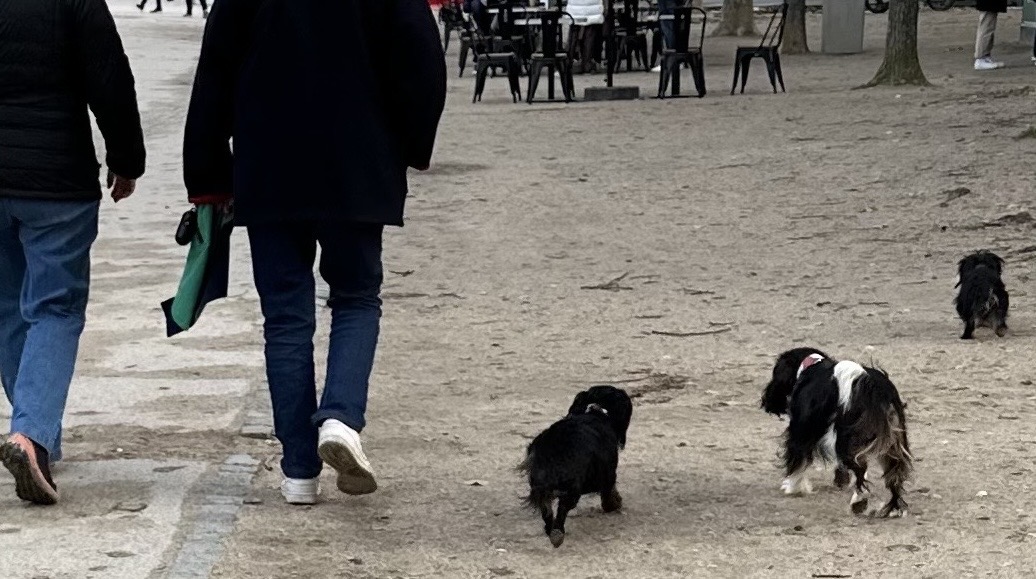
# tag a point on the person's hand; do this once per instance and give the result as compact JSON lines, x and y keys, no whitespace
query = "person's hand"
{"x":121,"y":187}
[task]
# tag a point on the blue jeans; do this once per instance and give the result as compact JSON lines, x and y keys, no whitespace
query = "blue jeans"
{"x":44,"y":285}
{"x":668,"y":30}
{"x":350,"y":262}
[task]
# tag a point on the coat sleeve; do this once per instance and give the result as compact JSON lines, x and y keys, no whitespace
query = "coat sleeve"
{"x":421,"y":92}
{"x":208,"y":162}
{"x":105,"y":75}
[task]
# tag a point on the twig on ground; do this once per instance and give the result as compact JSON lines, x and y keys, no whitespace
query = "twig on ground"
{"x":610,"y":285}
{"x":722,"y":330}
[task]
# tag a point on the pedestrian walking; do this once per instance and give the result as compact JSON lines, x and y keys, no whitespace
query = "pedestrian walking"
{"x":143,"y":4}
{"x":204,"y":8}
{"x":988,"y":12}
{"x":318,"y":159}
{"x":588,"y":32}
{"x":57,"y":59}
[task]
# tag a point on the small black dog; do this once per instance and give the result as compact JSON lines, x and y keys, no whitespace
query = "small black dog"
{"x":578,"y":455}
{"x":983,"y":299}
{"x":841,"y":412}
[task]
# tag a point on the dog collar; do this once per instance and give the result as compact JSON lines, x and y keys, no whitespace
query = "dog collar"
{"x":809,"y":361}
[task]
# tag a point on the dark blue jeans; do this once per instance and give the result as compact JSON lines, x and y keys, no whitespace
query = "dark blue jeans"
{"x":668,"y":31}
{"x":44,"y":286}
{"x":350,"y":262}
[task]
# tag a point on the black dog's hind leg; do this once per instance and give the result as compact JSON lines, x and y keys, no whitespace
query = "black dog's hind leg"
{"x":969,"y":330}
{"x":566,"y":502}
{"x":896,"y":472}
{"x":547,"y":512}
{"x":611,"y":500}
{"x":1001,"y":326}
{"x":861,"y":494}
{"x":849,"y":459}
{"x":842,"y":477}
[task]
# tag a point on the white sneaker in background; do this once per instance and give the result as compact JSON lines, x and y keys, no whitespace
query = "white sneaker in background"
{"x":987,"y":63}
{"x":340,"y":448}
{"x":657,"y":68}
{"x":300,"y":491}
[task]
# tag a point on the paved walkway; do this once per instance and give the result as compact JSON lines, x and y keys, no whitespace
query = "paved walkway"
{"x":155,"y":468}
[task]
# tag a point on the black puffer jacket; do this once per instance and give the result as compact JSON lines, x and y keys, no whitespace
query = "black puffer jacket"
{"x":991,"y":5}
{"x":57,"y":57}
{"x":327,"y":103}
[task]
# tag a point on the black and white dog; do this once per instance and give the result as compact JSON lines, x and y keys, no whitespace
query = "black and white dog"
{"x":844,"y":413}
{"x":578,"y":455}
{"x":983,"y":299}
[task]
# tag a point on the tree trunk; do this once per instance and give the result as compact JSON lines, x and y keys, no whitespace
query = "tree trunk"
{"x":901,"y":65}
{"x":738,"y":19}
{"x":795,"y":29}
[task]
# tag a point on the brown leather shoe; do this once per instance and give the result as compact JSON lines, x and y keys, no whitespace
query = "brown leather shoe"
{"x":30,"y":465}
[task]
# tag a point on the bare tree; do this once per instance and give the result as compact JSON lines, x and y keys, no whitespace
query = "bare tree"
{"x":901,"y":64}
{"x":795,"y":29}
{"x":738,"y":19}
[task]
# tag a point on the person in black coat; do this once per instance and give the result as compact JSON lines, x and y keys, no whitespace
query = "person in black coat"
{"x":158,"y":6}
{"x":59,"y":59}
{"x":327,"y":104}
{"x":989,"y":10}
{"x":204,"y":8}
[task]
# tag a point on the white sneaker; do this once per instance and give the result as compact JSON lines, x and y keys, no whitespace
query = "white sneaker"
{"x":340,"y":448}
{"x":987,"y":63}
{"x":300,"y":491}
{"x":657,"y":68}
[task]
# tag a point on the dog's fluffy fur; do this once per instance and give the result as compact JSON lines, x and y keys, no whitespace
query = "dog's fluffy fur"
{"x":578,"y":455}
{"x":845,"y":413}
{"x":983,"y":299}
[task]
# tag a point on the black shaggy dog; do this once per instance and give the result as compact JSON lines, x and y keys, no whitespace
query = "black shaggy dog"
{"x":578,"y":455}
{"x":844,"y":413}
{"x":982,"y":300}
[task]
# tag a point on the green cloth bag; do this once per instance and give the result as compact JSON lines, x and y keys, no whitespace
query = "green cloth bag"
{"x":206,"y":273}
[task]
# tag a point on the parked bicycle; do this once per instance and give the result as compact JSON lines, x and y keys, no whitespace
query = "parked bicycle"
{"x":879,"y":6}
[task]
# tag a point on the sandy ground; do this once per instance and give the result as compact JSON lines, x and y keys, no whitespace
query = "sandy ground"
{"x":816,"y":217}
{"x":821,"y":216}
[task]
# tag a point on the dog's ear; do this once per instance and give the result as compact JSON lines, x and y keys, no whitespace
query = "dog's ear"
{"x":580,"y":403}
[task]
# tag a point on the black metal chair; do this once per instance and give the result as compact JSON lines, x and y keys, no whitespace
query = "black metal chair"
{"x":768,"y":50}
{"x":552,"y":58}
{"x":683,"y":53}
{"x":632,"y":40}
{"x":493,"y":53}
{"x":451,"y":15}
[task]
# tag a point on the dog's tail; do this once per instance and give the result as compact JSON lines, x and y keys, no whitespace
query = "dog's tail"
{"x":884,"y":415}
{"x":541,"y":489}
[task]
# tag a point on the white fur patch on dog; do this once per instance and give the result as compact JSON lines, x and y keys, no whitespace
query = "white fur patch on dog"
{"x":797,"y":484}
{"x":827,"y":444}
{"x":846,"y":374}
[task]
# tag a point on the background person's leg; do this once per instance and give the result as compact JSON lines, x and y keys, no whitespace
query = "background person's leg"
{"x":984,"y":36}
{"x":665,"y":7}
{"x":282,"y":264}
{"x":12,"y":326}
{"x":350,"y":262}
{"x":56,"y":238}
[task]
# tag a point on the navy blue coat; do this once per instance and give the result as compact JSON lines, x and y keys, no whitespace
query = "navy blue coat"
{"x":327,"y":103}
{"x":57,"y":58}
{"x":991,"y":5}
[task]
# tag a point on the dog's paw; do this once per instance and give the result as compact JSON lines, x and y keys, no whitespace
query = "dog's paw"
{"x":557,"y":537}
{"x":859,"y":503}
{"x":892,"y":510}
{"x":842,"y":478}
{"x":1001,"y":331}
{"x":797,"y":486}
